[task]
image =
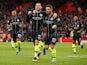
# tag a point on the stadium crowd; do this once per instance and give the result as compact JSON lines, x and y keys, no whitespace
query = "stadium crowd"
{"x":64,"y":20}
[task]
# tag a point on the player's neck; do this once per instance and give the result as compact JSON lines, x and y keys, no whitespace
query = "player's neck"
{"x":76,"y":22}
{"x":38,"y":11}
{"x":50,"y":14}
{"x":14,"y":16}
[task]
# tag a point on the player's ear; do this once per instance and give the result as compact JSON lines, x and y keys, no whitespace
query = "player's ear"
{"x":41,"y":7}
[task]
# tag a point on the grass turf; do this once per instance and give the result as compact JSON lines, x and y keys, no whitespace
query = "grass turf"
{"x":64,"y":55}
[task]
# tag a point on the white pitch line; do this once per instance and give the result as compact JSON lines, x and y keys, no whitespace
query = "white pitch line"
{"x":77,"y":56}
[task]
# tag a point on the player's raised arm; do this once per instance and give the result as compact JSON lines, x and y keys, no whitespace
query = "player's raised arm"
{"x":29,"y":17}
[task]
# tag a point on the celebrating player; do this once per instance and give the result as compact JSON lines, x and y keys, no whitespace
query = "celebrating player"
{"x":76,"y":29}
{"x":15,"y":23}
{"x":36,"y":19}
{"x":51,"y":27}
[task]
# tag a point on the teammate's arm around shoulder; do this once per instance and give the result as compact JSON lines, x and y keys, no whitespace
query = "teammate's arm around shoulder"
{"x":55,"y":17}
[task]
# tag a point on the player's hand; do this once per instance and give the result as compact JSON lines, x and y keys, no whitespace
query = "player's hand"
{"x":55,"y":15}
{"x":54,"y":26}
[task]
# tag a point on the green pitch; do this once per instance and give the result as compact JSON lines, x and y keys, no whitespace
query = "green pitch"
{"x":64,"y":55}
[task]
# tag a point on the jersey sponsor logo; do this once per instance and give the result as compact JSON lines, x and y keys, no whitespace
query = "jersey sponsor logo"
{"x":37,"y":18}
{"x":75,"y":28}
{"x":15,"y":23}
{"x":49,"y":22}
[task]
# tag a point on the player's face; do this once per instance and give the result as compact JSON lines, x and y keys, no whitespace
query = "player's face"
{"x":48,"y":10}
{"x":14,"y":13}
{"x":38,"y":6}
{"x":75,"y":19}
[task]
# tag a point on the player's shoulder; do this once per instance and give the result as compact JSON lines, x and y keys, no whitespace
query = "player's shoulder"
{"x":11,"y":18}
{"x":18,"y":17}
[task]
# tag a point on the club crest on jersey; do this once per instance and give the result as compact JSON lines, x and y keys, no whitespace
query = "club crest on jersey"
{"x":51,"y":19}
{"x":17,"y":19}
{"x":77,"y":25}
{"x":41,"y":15}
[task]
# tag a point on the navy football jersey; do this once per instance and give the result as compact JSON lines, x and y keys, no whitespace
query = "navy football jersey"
{"x":50,"y":21}
{"x":37,"y":21}
{"x":15,"y":24}
{"x":76,"y":27}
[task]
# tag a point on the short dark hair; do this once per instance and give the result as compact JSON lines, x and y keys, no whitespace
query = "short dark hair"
{"x":49,"y":5}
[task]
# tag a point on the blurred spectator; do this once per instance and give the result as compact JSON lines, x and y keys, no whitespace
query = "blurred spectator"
{"x":4,"y":37}
{"x":64,"y":20}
